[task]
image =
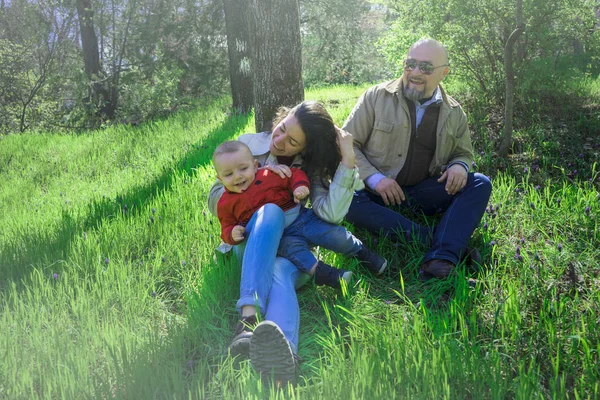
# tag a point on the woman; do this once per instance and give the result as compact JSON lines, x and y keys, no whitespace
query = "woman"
{"x":304,"y":137}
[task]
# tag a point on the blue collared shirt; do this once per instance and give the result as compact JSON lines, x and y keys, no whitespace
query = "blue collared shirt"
{"x":420,"y":108}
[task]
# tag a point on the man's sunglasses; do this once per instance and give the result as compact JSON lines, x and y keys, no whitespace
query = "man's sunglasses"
{"x":425,"y":67}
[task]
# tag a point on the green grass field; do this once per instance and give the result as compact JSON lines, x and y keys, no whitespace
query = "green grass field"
{"x":109,"y":287}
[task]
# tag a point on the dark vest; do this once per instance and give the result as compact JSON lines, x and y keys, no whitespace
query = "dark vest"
{"x":421,"y":148}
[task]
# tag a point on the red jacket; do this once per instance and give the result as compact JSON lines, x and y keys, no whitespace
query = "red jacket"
{"x":268,"y":187}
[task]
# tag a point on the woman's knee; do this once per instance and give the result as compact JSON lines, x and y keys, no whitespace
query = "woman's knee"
{"x":269,"y":216}
{"x":271,"y":210}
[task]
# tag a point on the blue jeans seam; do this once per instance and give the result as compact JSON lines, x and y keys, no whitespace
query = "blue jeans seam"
{"x":443,"y":231}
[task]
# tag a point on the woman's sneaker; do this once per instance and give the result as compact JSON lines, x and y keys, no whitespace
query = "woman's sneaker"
{"x":327,"y":275}
{"x":271,"y":355}
{"x":373,"y":261}
{"x":240,"y":344}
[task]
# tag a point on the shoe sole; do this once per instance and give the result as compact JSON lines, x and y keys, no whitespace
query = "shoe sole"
{"x":240,"y":348}
{"x":372,"y":270}
{"x":383,"y":267}
{"x":347,"y":276}
{"x":271,"y":355}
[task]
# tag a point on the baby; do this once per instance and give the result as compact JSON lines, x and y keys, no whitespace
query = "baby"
{"x":248,"y":188}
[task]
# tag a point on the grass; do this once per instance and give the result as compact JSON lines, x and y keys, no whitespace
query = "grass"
{"x":109,"y":287}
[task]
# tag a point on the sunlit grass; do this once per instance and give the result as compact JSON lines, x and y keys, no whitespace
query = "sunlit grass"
{"x":109,"y":287}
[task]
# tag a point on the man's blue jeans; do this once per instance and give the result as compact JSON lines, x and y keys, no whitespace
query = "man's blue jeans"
{"x":308,"y":231}
{"x":461,"y":214}
{"x":267,"y":281}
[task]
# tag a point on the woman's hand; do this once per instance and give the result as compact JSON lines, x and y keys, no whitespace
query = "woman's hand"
{"x":346,"y":144}
{"x":280,"y":169}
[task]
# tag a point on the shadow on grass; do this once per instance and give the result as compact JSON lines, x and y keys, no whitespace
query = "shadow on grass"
{"x":34,"y":248}
{"x":191,"y":357}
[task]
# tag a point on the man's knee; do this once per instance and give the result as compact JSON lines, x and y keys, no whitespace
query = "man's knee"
{"x":360,"y":197}
{"x":483,"y":184}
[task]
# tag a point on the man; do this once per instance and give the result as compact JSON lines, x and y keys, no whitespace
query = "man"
{"x":413,"y":149}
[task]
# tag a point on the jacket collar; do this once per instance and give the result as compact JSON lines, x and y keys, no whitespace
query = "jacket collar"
{"x":259,"y":143}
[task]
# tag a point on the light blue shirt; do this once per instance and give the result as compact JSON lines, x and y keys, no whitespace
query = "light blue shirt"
{"x":420,"y":108}
{"x":374,"y":179}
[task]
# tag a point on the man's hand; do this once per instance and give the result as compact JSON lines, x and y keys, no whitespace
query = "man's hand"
{"x":455,"y":177}
{"x":280,"y":169}
{"x":237,"y":233}
{"x":300,"y":193}
{"x":390,"y":191}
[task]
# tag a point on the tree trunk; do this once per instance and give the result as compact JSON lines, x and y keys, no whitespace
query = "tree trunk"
{"x":276,"y":58}
{"x":238,"y":48}
{"x":99,"y":96}
{"x":510,"y":83}
{"x":577,"y":47}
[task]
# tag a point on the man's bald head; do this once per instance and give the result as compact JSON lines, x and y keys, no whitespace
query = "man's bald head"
{"x":434,"y":47}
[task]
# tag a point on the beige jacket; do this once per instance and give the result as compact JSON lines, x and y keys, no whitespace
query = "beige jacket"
{"x":330,"y":204}
{"x":380,"y":124}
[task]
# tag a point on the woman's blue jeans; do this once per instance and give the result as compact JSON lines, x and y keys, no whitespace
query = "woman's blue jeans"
{"x":461,"y":214}
{"x":267,"y":281}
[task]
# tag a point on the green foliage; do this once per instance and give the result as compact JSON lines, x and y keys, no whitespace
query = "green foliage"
{"x":156,"y":56}
{"x":337,"y":42}
{"x":10,"y":76}
{"x":30,"y":64}
{"x":186,"y":37}
{"x":475,"y":33}
{"x":159,"y":55}
{"x":144,"y":97}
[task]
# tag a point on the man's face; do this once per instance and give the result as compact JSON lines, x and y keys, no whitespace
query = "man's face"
{"x":417,"y":85}
{"x":236,"y":170}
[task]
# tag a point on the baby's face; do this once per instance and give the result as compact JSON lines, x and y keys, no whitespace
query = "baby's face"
{"x":236,"y":170}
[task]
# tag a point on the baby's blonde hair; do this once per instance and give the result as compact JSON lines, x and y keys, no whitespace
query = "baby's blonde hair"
{"x":230,"y":146}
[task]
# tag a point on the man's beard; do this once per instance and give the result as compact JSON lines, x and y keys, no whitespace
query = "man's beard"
{"x":412,"y":93}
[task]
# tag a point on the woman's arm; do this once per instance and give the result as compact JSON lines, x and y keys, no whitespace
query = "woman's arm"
{"x":214,"y":195}
{"x":332,"y":204}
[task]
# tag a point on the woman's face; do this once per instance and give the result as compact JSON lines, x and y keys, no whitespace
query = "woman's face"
{"x":287,"y":138}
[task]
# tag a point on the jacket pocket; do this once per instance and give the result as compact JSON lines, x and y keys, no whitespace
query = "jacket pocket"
{"x":380,"y":137}
{"x":383,"y":125}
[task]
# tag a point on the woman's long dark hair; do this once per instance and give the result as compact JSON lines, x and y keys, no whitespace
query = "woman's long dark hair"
{"x":321,"y":155}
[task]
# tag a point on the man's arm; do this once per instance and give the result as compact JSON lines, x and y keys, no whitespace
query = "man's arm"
{"x":360,"y":124}
{"x":456,"y":172}
{"x":463,"y":153}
